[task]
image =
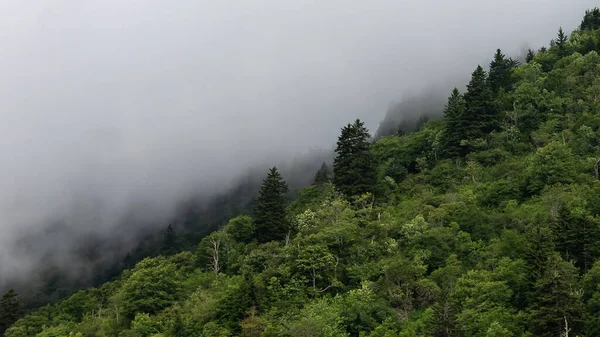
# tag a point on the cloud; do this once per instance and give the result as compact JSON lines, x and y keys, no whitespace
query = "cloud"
{"x":113,"y":106}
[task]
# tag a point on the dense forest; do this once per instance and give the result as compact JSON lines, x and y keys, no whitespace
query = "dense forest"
{"x":484,"y":223}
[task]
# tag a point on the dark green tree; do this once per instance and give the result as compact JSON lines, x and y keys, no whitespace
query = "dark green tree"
{"x":353,"y":167}
{"x":530,"y":55}
{"x":591,"y":20}
{"x":170,"y":244}
{"x":561,"y":43}
{"x":453,"y":128}
{"x":323,"y":175}
{"x":556,"y":303}
{"x":500,"y":72}
{"x":478,"y":119}
{"x":11,"y":309}
{"x":270,"y":219}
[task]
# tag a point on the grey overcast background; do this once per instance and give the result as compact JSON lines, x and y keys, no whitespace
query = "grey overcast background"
{"x":119,"y":105}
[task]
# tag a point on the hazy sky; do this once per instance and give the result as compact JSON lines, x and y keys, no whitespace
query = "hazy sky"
{"x":109,"y":103}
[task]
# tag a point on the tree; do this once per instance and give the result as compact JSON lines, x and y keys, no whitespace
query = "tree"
{"x":323,"y":175}
{"x":561,"y":43}
{"x":500,"y":72}
{"x":530,"y":55}
{"x":591,"y":20}
{"x":153,"y":285}
{"x":557,"y":299}
{"x":453,"y":130}
{"x":270,"y":218}
{"x":170,"y":243}
{"x":478,"y":119}
{"x":11,"y":309}
{"x":353,"y":167}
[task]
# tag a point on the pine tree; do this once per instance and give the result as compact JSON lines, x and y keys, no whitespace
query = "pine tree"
{"x":500,"y":72}
{"x":591,"y":20}
{"x":556,"y":301}
{"x":270,"y":218}
{"x":323,"y":175}
{"x":530,"y":55}
{"x":11,"y":309}
{"x":353,"y":167}
{"x":453,"y":130}
{"x":561,"y":43}
{"x":479,"y":118}
{"x":170,"y":242}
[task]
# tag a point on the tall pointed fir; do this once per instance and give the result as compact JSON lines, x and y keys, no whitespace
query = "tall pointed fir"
{"x":561,"y":43}
{"x":270,"y":219}
{"x":453,"y":128}
{"x":479,"y":118}
{"x":500,"y":72}
{"x":353,"y":168}
{"x":323,"y":175}
{"x":170,"y":244}
{"x":530,"y":55}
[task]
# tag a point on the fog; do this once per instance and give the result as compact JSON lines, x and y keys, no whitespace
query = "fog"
{"x":119,"y":109}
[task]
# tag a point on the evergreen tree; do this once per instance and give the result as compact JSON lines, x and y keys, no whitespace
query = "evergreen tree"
{"x":11,"y":309}
{"x":530,"y":55}
{"x":453,"y":130}
{"x":556,"y":302}
{"x":170,"y":241}
{"x":479,"y":118}
{"x":353,"y":167}
{"x":323,"y":175}
{"x":591,"y":20}
{"x":270,"y":218}
{"x":561,"y":43}
{"x":500,"y":72}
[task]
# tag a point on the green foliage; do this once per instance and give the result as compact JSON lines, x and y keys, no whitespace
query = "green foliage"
{"x":11,"y":309}
{"x":353,"y":167}
{"x":323,"y":175}
{"x":241,"y":228}
{"x":153,"y":285}
{"x":270,"y":218}
{"x":484,"y":224}
{"x":479,"y":117}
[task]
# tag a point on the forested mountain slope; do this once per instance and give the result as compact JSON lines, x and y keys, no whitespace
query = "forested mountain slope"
{"x":484,"y":223}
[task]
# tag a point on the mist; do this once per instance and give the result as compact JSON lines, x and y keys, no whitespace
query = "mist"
{"x":113,"y":112}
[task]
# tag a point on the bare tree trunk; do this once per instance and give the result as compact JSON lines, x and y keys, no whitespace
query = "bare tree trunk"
{"x":215,"y":262}
{"x":116,"y":309}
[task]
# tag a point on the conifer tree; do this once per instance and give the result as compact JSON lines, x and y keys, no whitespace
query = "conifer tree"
{"x":561,"y":43}
{"x":11,"y":309}
{"x":323,"y":175}
{"x":479,"y":118}
{"x":270,"y":218}
{"x":500,"y":76}
{"x":453,"y":130}
{"x":530,"y":55}
{"x":170,"y":243}
{"x":353,"y":167}
{"x":591,"y":20}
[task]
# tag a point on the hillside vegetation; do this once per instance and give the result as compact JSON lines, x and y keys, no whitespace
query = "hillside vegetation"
{"x":485,"y":223}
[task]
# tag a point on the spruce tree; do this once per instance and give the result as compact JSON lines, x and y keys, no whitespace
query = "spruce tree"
{"x":323,"y":175}
{"x":270,"y":218}
{"x":591,"y":20}
{"x":561,"y":43}
{"x":500,"y":72}
{"x":530,"y":55}
{"x":479,"y":118}
{"x":353,"y":167}
{"x":170,"y":241}
{"x":11,"y":309}
{"x":453,"y":128}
